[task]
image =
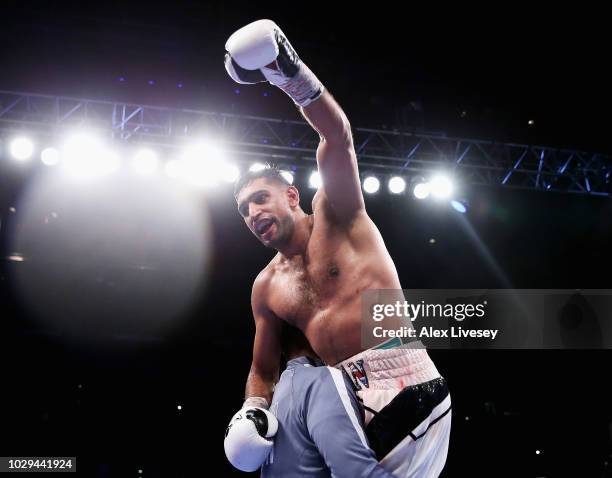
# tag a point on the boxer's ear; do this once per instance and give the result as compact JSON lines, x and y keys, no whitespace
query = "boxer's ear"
{"x":293,"y":196}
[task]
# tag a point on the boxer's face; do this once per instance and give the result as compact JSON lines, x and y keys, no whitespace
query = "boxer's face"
{"x":267,"y":208}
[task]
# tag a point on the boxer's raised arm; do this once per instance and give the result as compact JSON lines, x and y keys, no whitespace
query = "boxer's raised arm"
{"x":260,"y":51}
{"x":341,"y":188}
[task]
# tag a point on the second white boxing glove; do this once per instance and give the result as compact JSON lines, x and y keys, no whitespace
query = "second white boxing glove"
{"x":248,"y":438}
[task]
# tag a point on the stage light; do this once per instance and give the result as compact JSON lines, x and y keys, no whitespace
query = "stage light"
{"x":145,"y":162}
{"x":78,"y":148}
{"x":315,"y":180}
{"x":397,"y":185}
{"x":441,"y":187}
{"x":173,"y":169}
{"x":109,"y":162}
{"x":15,"y":257}
{"x":230,"y":172}
{"x":84,"y":156}
{"x":255,"y":167}
{"x":288,"y":176}
{"x":50,"y":156}
{"x":21,"y":148}
{"x":421,"y":190}
{"x":371,"y":184}
{"x":459,"y":206}
{"x":204,"y":165}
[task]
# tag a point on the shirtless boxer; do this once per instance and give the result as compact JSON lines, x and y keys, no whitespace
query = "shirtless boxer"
{"x":325,"y":261}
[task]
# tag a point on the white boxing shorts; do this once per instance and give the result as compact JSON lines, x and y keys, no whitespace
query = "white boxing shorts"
{"x":407,"y":407}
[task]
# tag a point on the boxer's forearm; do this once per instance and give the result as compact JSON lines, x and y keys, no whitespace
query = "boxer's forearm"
{"x":259,"y":385}
{"x":329,"y":120}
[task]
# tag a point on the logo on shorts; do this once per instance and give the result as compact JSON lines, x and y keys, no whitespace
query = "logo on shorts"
{"x":358,"y":372}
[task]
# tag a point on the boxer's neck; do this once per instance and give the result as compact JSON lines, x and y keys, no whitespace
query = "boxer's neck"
{"x":300,"y":237}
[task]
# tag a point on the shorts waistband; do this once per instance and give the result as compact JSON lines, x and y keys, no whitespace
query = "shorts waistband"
{"x":390,"y":366}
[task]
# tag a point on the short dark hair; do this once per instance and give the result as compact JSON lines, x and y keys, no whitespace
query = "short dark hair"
{"x":270,"y":171}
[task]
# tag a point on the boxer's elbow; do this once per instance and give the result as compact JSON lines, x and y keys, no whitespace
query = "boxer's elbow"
{"x":340,"y":136}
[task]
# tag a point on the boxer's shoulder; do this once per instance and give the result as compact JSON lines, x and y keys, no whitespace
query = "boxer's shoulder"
{"x":262,"y":285}
{"x":265,"y":276}
{"x":260,"y":290}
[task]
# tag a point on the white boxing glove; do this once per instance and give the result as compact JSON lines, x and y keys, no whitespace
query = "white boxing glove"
{"x":260,"y":52}
{"x":248,"y":438}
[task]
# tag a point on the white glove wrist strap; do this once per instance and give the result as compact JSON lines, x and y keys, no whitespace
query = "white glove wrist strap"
{"x":258,"y":402}
{"x":303,"y":88}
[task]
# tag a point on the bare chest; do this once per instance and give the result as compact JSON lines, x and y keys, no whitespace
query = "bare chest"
{"x":306,"y":288}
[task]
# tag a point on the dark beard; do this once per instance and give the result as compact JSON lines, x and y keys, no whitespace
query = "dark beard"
{"x":285,"y":226}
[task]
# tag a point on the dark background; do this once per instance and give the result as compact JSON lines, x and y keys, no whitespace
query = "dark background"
{"x":479,"y":73}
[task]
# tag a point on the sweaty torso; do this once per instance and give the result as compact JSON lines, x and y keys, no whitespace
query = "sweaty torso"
{"x":319,"y":292}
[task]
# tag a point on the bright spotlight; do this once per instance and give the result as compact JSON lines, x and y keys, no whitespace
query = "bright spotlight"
{"x":288,"y":176}
{"x":50,"y":156}
{"x":109,"y":162}
{"x":79,"y":146}
{"x":458,"y":206}
{"x":21,"y":148}
{"x":145,"y":162}
{"x":203,"y":165}
{"x":397,"y":185}
{"x":441,"y":187}
{"x":199,"y":174}
{"x":421,"y":190}
{"x":315,"y":180}
{"x":371,"y":184}
{"x":84,"y":156}
{"x":257,"y":167}
{"x":230,"y":172}
{"x":173,"y":169}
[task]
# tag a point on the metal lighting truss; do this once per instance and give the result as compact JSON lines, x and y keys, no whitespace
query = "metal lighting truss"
{"x":293,"y":143}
